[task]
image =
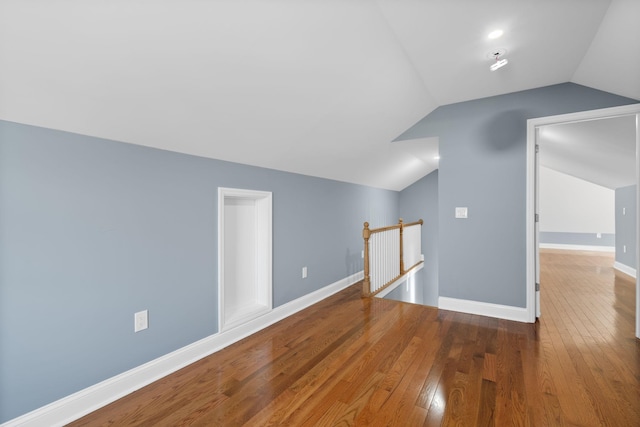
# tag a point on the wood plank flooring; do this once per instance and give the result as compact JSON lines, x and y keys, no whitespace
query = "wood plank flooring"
{"x":353,"y":361}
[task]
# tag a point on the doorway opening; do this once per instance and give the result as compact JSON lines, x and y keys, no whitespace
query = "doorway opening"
{"x":534,"y":127}
{"x":244,"y":256}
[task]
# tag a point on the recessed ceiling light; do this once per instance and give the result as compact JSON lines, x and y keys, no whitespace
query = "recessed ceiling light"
{"x":495,"y":34}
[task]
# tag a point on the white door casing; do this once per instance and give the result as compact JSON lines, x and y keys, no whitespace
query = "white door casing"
{"x":537,"y":223}
{"x":531,"y":241}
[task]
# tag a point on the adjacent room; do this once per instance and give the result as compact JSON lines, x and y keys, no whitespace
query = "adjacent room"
{"x":184,"y":187}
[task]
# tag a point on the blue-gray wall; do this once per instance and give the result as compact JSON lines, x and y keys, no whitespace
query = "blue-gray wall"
{"x":483,"y":167}
{"x":626,"y":225}
{"x":92,"y":231}
{"x":420,"y":200}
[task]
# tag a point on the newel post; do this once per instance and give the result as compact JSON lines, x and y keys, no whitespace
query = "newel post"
{"x":366,"y":283}
{"x":401,"y":245}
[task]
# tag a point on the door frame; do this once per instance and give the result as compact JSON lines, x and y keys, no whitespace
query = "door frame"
{"x":263,"y":256}
{"x":531,"y":244}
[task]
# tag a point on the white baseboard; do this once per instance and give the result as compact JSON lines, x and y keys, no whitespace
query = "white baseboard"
{"x":519,"y":314}
{"x":577,"y":247}
{"x":85,"y":401}
{"x":625,"y":269}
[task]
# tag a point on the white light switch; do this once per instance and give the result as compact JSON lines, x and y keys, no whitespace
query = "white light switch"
{"x":462,"y":212}
{"x":304,"y":272}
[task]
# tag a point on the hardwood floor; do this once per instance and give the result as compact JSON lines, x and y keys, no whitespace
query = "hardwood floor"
{"x":352,"y":361}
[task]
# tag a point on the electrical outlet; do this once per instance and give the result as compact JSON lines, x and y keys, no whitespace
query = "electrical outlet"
{"x":362,"y":255}
{"x":141,"y":320}
{"x":304,"y":272}
{"x":598,"y":235}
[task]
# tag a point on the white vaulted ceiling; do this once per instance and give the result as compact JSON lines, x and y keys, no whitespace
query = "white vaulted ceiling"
{"x":602,"y":152}
{"x":318,"y":87}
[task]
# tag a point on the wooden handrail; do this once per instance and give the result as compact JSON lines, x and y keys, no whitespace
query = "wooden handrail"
{"x":366,"y":234}
{"x":421,"y":222}
{"x":392,"y":227}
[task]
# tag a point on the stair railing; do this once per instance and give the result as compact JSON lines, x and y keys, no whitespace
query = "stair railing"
{"x":387,"y":250}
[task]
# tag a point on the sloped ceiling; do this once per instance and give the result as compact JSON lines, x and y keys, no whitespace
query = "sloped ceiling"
{"x":318,"y":87}
{"x":602,"y":152}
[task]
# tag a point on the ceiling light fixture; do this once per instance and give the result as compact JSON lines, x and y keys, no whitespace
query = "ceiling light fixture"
{"x":495,"y":34}
{"x":499,"y":62}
